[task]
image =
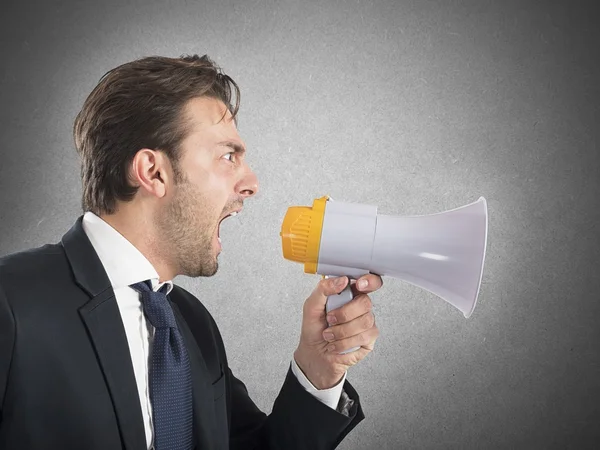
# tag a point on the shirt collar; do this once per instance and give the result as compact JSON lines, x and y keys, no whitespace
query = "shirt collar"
{"x":123,"y":262}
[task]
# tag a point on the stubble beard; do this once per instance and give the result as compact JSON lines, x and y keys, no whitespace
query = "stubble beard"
{"x":187,"y":233}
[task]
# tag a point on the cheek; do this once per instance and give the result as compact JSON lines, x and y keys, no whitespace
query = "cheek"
{"x":219,"y":185}
{"x":211,"y":190}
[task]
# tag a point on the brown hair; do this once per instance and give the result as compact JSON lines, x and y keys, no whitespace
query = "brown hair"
{"x":140,"y":105}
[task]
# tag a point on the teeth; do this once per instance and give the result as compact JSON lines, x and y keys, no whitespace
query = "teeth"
{"x":219,"y":239}
{"x":234,"y":213}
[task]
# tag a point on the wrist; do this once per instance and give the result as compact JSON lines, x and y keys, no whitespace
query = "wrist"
{"x":319,"y":378}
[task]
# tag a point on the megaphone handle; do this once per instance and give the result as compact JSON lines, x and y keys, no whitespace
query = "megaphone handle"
{"x":337,"y":300}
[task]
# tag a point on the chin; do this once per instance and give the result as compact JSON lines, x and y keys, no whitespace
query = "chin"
{"x":202,"y":271}
{"x":199,"y":262}
{"x":210,"y":271}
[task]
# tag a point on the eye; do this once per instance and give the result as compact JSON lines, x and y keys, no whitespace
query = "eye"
{"x":230,"y":153}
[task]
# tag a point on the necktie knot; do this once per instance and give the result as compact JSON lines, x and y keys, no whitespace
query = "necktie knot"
{"x":156,"y":307}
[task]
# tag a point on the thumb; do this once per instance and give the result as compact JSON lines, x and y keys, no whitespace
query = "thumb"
{"x":314,"y":306}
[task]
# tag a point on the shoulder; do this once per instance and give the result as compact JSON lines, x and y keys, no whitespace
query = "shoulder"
{"x":32,"y":265}
{"x":33,"y":282}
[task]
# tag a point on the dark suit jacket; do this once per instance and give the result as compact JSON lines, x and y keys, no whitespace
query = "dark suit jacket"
{"x":66,"y":379}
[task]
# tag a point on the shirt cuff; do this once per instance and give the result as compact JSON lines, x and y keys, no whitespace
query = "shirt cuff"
{"x":331,"y":396}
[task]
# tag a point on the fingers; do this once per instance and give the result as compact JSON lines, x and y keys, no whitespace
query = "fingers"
{"x":366,"y":339}
{"x":335,"y":285}
{"x":331,"y":286}
{"x":315,"y":304}
{"x":351,"y":328}
{"x":359,"y":305}
{"x":374,"y":282}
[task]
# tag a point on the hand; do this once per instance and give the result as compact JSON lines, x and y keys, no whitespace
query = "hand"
{"x":319,"y":357}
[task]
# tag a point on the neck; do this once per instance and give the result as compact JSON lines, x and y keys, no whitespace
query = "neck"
{"x":137,"y":227}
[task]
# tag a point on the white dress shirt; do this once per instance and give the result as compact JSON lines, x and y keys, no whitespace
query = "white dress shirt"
{"x":126,"y":265}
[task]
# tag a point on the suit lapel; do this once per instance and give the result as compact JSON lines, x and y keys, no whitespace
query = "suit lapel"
{"x":103,"y":321}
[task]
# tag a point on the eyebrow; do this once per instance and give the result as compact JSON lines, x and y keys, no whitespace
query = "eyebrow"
{"x":233,"y":145}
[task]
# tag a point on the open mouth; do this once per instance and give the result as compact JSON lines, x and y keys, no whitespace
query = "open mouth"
{"x":234,"y":213}
{"x":231,"y":214}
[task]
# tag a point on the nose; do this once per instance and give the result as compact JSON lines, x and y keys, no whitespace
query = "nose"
{"x":248,"y":185}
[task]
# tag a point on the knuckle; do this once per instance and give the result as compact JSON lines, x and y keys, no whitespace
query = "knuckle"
{"x":366,"y":321}
{"x":340,"y":334}
{"x":306,"y":307}
{"x":370,"y":319}
{"x":365,"y":302}
{"x":364,"y":338}
{"x":341,"y":315}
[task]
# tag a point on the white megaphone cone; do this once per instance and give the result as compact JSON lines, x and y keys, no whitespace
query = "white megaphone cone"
{"x":443,"y":253}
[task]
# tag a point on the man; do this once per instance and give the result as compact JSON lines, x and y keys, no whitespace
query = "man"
{"x":99,"y":349}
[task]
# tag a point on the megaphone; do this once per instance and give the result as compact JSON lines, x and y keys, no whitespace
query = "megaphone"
{"x":443,"y":253}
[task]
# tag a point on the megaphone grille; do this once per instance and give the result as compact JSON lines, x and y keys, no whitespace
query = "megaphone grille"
{"x":301,"y":233}
{"x":300,"y":230}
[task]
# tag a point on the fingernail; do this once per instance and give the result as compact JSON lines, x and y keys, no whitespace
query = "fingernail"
{"x":331,"y":320}
{"x":362,"y":284}
{"x":327,"y":336}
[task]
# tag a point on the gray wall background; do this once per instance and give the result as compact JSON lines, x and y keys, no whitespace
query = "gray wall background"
{"x":415,"y":106}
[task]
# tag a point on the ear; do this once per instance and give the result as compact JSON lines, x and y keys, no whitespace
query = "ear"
{"x":151,"y":171}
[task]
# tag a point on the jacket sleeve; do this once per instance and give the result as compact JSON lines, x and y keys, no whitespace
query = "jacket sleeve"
{"x":7,"y":340}
{"x":298,"y":420}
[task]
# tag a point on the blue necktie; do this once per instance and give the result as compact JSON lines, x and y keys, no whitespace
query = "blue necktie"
{"x":170,"y":376}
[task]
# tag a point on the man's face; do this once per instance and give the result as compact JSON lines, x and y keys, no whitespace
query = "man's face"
{"x":216,"y":180}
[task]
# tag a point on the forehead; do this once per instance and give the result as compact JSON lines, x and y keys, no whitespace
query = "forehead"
{"x":209,"y":119}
